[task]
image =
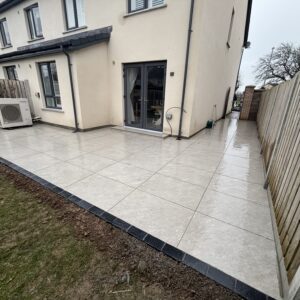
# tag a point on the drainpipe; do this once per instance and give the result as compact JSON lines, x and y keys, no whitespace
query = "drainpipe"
{"x":72,"y":89}
{"x":186,"y":67}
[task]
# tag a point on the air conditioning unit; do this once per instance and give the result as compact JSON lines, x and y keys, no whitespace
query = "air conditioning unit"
{"x":14,"y":112}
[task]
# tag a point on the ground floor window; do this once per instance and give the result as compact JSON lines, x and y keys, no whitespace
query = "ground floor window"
{"x":11,"y":72}
{"x":50,"y":84}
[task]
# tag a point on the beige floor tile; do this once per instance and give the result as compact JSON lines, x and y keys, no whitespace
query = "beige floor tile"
{"x":128,"y":174}
{"x":246,"y":256}
{"x":238,"y":212}
{"x":154,"y":215}
{"x":100,"y":191}
{"x":171,"y":189}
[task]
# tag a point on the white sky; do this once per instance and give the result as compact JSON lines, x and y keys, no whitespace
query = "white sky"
{"x":272,"y":22}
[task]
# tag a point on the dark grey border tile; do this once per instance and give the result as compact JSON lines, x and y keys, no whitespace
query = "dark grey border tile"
{"x":107,"y":217}
{"x":84,"y":204}
{"x":173,"y":252}
{"x":154,"y":242}
{"x":74,"y":199}
{"x":221,"y":277}
{"x":65,"y":194}
{"x":249,"y":292}
{"x":137,"y":233}
{"x":196,"y":264}
{"x":96,"y":211}
{"x":121,"y":224}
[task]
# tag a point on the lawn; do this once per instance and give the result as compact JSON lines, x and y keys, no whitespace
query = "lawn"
{"x":51,"y":249}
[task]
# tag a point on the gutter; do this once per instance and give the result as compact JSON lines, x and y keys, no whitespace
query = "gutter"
{"x":247,"y":26}
{"x":186,"y":67}
{"x":72,"y":89}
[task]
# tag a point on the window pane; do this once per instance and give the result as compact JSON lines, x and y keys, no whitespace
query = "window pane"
{"x":37,"y":21}
{"x":80,"y":12}
{"x":54,"y":79}
{"x":11,"y":73}
{"x":6,"y":33}
{"x":70,"y":11}
{"x":46,"y":80}
{"x":155,"y":2}
{"x":137,"y":4}
{"x":31,"y":25}
{"x":50,"y":102}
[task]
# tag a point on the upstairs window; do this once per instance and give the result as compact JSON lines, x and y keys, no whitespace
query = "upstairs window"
{"x":34,"y":22}
{"x":50,"y":84}
{"x":75,"y":16}
{"x":230,"y":28}
{"x":5,"y":37}
{"x":11,"y":72}
{"x":136,"y":5}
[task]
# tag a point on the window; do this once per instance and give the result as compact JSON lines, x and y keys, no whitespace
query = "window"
{"x":5,"y":37}
{"x":74,"y":10}
{"x":34,"y":22}
{"x":11,"y":72}
{"x":230,"y":28}
{"x":136,"y":5}
{"x":50,"y":84}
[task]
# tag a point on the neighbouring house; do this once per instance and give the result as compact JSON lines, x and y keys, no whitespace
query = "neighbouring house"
{"x":93,"y":63}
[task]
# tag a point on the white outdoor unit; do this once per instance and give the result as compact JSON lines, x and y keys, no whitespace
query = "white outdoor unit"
{"x":14,"y":112}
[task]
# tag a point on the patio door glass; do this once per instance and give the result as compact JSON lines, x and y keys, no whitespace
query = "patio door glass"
{"x":144,"y":95}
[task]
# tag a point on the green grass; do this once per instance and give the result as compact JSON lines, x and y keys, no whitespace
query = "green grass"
{"x":39,"y":256}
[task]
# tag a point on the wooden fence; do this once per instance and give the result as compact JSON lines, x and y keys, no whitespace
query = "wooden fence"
{"x":16,"y":89}
{"x":278,"y":123}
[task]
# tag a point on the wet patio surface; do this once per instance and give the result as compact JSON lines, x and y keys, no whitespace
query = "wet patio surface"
{"x":204,"y":195}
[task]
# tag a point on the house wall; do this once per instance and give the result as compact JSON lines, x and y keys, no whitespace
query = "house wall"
{"x":28,"y":69}
{"x":157,"y":35}
{"x":214,"y":66}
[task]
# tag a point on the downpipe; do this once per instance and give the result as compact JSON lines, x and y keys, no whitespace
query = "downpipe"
{"x":186,"y":68}
{"x":72,"y":89}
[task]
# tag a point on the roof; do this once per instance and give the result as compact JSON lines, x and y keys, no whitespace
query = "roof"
{"x":7,"y":4}
{"x":72,"y":42}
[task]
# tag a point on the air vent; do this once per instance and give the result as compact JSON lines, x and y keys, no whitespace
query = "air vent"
{"x":11,"y":113}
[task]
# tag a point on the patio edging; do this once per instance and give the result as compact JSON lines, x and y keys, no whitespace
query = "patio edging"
{"x":203,"y":268}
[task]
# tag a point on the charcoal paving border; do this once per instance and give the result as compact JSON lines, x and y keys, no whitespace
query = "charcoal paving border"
{"x":205,"y":269}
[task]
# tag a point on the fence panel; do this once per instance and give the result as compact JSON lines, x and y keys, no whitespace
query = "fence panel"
{"x":278,"y":122}
{"x":16,"y":89}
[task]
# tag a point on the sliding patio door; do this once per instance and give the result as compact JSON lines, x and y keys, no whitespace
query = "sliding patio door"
{"x":145,"y":95}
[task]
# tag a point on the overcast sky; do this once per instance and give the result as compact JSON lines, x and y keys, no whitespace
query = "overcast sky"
{"x":272,"y":22}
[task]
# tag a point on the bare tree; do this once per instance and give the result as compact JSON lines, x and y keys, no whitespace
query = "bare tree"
{"x":280,"y":65}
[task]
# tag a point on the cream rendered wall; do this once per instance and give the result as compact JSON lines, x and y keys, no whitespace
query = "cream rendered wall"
{"x":27,"y":69}
{"x":91,"y":65}
{"x":214,"y":66}
{"x":150,"y":36}
{"x":155,"y":35}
